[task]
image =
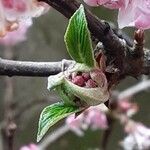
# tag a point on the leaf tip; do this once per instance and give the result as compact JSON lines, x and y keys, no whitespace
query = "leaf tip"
{"x":38,"y":138}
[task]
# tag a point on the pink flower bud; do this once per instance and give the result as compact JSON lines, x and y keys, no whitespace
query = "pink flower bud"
{"x":86,"y":76}
{"x":99,"y":77}
{"x":78,"y":80}
{"x":90,"y":84}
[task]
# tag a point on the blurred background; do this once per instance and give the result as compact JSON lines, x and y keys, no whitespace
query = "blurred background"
{"x":45,"y":43}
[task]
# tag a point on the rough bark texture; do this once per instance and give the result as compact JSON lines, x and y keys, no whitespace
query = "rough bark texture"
{"x":122,"y":59}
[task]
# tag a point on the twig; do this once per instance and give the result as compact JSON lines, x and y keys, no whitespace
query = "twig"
{"x":107,"y":132}
{"x":10,"y":125}
{"x":1,"y":140}
{"x":54,"y":136}
{"x":26,"y":68}
{"x":143,"y":85}
{"x":22,"y":109}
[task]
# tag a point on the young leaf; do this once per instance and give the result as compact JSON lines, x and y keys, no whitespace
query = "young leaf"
{"x":51,"y":115}
{"x":78,"y":40}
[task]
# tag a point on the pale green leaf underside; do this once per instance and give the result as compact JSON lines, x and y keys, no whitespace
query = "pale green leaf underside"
{"x":51,"y":115}
{"x":78,"y":40}
{"x":55,"y":80}
{"x":91,"y":96}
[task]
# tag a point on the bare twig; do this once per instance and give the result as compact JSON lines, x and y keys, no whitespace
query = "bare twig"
{"x":143,"y":85}
{"x":31,"y":104}
{"x":53,"y":136}
{"x":107,"y":132}
{"x":10,"y":125}
{"x":1,"y":138}
{"x":26,"y":68}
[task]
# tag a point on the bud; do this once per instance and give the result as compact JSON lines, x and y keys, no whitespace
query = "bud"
{"x":81,"y":86}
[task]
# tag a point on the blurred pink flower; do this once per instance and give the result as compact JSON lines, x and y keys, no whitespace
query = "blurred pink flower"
{"x":95,"y":2}
{"x":15,"y":37}
{"x":131,"y":12}
{"x":12,"y":12}
{"x":92,"y":118}
{"x":138,"y":137}
{"x":96,"y":119}
{"x":137,"y":13}
{"x":76,"y":124}
{"x":30,"y":147}
{"x":112,"y":4}
{"x":124,"y":106}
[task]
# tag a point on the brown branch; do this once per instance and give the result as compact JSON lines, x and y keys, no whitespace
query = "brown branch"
{"x":119,"y":54}
{"x":120,"y":57}
{"x":107,"y":132}
{"x":100,"y":30}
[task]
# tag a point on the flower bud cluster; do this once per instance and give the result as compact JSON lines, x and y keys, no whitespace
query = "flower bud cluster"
{"x":83,"y":80}
{"x":92,"y":79}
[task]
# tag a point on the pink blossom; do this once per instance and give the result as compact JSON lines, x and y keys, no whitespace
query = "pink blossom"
{"x":124,"y":106}
{"x":96,"y":2}
{"x":12,"y":12}
{"x":76,"y":124}
{"x":131,"y":12}
{"x":138,"y":137}
{"x":14,"y":37}
{"x":92,"y":118}
{"x":112,"y":4}
{"x":137,"y":13}
{"x":96,"y":118}
{"x":30,"y":147}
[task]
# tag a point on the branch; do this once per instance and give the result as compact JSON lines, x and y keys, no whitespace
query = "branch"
{"x":120,"y":56}
{"x":99,"y":29}
{"x":25,"y":68}
{"x":143,"y":85}
{"x":55,"y":135}
{"x":10,"y":125}
{"x":115,"y":48}
{"x":29,"y":105}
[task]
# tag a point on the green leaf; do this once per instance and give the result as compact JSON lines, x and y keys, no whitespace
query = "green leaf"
{"x":91,"y":96}
{"x":51,"y":115}
{"x":78,"y":40}
{"x":66,"y":95}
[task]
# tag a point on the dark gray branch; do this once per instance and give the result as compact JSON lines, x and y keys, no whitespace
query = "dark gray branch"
{"x":25,"y":68}
{"x":40,"y":69}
